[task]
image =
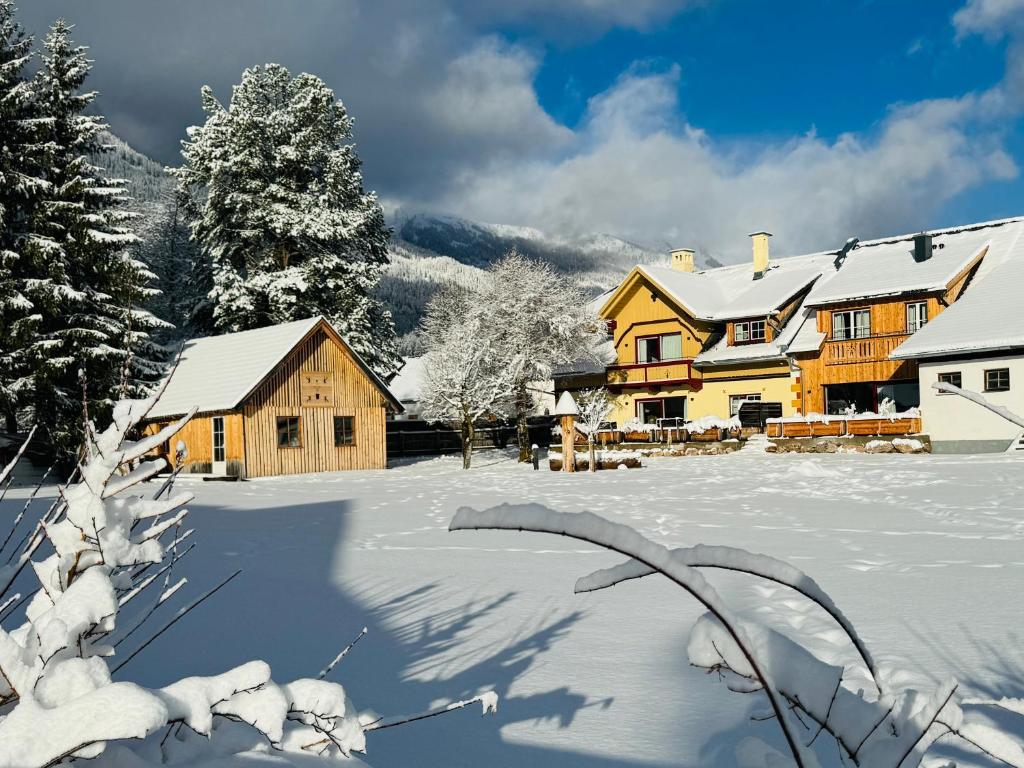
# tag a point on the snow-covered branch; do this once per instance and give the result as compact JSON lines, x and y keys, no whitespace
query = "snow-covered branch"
{"x":974,"y":397}
{"x":807,"y":696}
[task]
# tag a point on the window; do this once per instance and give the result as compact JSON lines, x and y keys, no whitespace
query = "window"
{"x":655,"y":349}
{"x":344,"y":430}
{"x":952,"y":377}
{"x":218,"y":438}
{"x":736,"y":400}
{"x":851,"y":324}
{"x":749,"y":331}
{"x":650,"y":411}
{"x":675,"y":407}
{"x":867,"y":396}
{"x":997,"y":380}
{"x":905,"y":394}
{"x":288,"y":434}
{"x":917,"y":316}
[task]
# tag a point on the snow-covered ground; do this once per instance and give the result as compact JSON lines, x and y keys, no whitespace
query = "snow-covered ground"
{"x":923,"y":553}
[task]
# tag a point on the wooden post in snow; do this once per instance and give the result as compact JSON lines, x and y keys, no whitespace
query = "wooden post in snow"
{"x":567,"y":410}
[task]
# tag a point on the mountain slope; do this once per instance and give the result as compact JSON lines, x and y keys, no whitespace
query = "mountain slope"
{"x":427,"y":251}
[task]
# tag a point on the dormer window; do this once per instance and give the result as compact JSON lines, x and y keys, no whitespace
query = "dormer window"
{"x":749,"y":332}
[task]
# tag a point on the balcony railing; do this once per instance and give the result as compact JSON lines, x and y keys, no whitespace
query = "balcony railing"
{"x":651,"y":374}
{"x":867,"y":350}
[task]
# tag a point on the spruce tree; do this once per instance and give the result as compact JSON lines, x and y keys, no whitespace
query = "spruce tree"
{"x":20,"y":190}
{"x":87,"y":288}
{"x":278,"y":205}
{"x":183,"y":270}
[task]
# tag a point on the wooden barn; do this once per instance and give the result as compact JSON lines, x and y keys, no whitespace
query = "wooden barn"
{"x":280,"y":400}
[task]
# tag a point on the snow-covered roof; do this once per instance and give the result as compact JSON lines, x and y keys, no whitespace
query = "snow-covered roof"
{"x":806,"y":336}
{"x":875,"y":268}
{"x":216,"y":373}
{"x":886,"y":267}
{"x":408,"y":383}
{"x":988,"y":317}
{"x":726,"y":293}
{"x":721,"y":353}
{"x":604,"y":356}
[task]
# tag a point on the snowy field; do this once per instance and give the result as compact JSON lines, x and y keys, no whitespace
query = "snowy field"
{"x":923,"y":553}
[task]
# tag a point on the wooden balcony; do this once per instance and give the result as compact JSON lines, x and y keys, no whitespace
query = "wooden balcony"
{"x":644,"y":375}
{"x":868,"y":350}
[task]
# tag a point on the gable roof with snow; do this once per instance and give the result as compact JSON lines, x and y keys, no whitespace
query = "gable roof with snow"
{"x":886,"y":267}
{"x":874,"y":269}
{"x":989,"y":316}
{"x":217,"y":373}
{"x":727,"y":293}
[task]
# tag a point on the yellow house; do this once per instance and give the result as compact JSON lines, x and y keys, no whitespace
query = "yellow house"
{"x":820,"y":332}
{"x":697,"y":343}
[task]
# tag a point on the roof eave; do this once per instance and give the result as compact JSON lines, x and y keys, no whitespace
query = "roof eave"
{"x":952,"y":351}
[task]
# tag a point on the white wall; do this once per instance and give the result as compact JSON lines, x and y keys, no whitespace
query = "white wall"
{"x":952,"y":418}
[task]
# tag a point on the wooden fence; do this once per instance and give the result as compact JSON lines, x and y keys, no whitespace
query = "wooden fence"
{"x":419,"y":438}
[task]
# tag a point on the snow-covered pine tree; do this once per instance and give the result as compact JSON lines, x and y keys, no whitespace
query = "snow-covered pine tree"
{"x":20,"y":190}
{"x":539,"y":319}
{"x":183,"y":269}
{"x":278,"y":204}
{"x":86,"y":286}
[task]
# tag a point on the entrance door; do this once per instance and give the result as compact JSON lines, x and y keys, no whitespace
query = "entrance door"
{"x":220,"y":465}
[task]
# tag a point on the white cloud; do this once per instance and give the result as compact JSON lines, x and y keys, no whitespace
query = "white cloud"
{"x":634,"y":170}
{"x":994,"y":18}
{"x":583,"y":16}
{"x":487,"y":95}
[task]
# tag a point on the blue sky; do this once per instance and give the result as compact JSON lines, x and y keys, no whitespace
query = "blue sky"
{"x":753,"y":68}
{"x":682,"y":122}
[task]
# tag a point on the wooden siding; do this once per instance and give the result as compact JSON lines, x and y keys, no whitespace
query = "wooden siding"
{"x":281,"y":395}
{"x":636,"y":314}
{"x":197,"y":435}
{"x":867,"y":360}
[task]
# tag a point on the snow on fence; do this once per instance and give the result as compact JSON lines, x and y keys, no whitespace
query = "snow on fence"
{"x":830,"y":425}
{"x":704,"y":429}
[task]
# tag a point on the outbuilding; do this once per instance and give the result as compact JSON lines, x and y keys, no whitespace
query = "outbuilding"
{"x":280,"y":400}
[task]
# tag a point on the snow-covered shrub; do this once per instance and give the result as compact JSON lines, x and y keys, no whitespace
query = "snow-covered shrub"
{"x":813,"y":702}
{"x":595,"y":405}
{"x":58,"y":702}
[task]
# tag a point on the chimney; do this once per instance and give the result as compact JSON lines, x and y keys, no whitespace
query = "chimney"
{"x":682,"y":259}
{"x":760,"y":243}
{"x":922,"y":247}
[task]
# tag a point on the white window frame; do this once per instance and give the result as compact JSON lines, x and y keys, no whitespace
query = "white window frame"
{"x":661,"y":348}
{"x":917,"y":315}
{"x":745,"y":331}
{"x":736,"y":400}
{"x":853,"y":329}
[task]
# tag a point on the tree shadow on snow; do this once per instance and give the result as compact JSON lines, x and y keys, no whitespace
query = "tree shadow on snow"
{"x":289,"y":608}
